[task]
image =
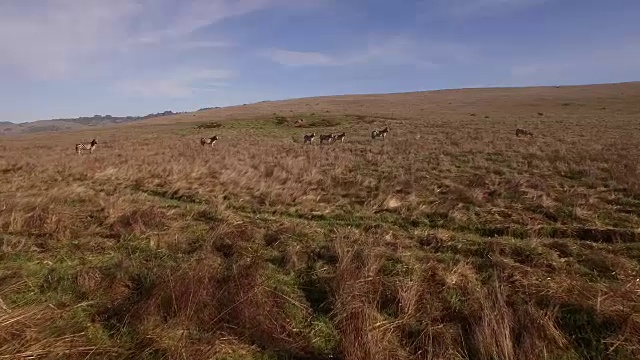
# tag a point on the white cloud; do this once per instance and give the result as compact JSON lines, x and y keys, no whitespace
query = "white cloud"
{"x":57,"y":38}
{"x":47,"y":38}
{"x":179,"y":84}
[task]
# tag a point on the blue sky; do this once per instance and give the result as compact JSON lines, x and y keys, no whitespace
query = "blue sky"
{"x":62,"y":58}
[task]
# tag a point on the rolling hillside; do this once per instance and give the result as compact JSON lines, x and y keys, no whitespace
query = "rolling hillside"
{"x":450,"y":239}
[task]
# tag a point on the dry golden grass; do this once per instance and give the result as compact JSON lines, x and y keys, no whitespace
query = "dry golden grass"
{"x":451,"y":239}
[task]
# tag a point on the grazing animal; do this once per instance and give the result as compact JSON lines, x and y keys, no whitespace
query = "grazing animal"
{"x":212,"y":140}
{"x":86,"y":146}
{"x":339,"y":137}
{"x":379,"y":133}
{"x":523,"y":132}
{"x":327,"y":138}
{"x":309,"y":138}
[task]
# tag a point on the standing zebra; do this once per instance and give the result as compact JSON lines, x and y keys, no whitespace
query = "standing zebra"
{"x":327,"y":138}
{"x":379,"y":133}
{"x":339,"y":137}
{"x":523,"y":132}
{"x":86,"y":146}
{"x":211,"y":140}
{"x":309,"y":138}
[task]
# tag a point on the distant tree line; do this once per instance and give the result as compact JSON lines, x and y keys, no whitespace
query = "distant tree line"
{"x":101,"y":119}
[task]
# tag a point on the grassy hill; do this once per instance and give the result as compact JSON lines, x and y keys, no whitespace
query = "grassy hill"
{"x":451,"y":239}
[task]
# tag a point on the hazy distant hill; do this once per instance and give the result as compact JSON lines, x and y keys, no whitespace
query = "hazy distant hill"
{"x":9,"y":128}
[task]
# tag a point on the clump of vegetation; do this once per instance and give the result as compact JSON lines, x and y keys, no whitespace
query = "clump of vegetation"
{"x":280,"y":120}
{"x":326,"y":122}
{"x":312,"y":120}
{"x":209,"y":125}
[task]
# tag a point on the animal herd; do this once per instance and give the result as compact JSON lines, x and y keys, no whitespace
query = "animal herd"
{"x":331,"y":138}
{"x":307,"y":139}
{"x":328,"y":138}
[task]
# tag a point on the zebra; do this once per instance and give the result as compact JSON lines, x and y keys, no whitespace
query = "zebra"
{"x":379,"y":133}
{"x":328,"y":138}
{"x":309,"y":138}
{"x":211,"y":140}
{"x":523,"y":132}
{"x":339,"y":137}
{"x":86,"y":146}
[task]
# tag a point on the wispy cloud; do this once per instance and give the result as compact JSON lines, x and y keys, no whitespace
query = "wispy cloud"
{"x":394,"y":50}
{"x":568,"y":68}
{"x":422,"y":53}
{"x":178,"y":84}
{"x":532,"y":71}
{"x":301,"y":58}
{"x":473,"y":8}
{"x":202,"y":44}
{"x":191,"y":15}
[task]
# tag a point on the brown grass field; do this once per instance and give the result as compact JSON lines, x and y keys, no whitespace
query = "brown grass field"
{"x":451,"y":239}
